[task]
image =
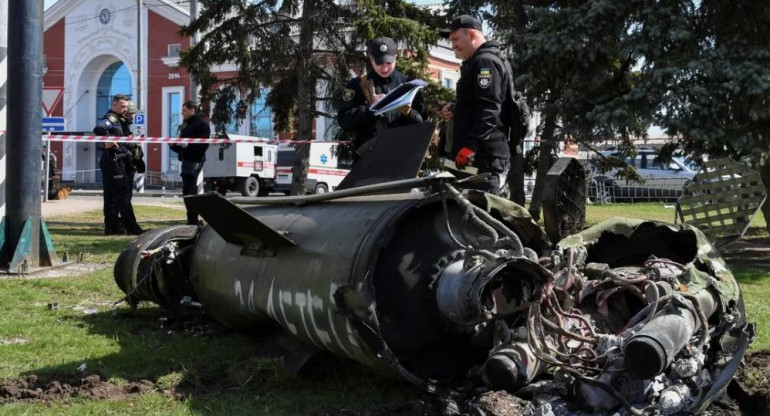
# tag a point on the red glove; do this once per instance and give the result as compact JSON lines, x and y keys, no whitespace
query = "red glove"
{"x":461,"y":160}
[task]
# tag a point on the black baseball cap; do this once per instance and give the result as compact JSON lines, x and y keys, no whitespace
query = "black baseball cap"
{"x":383,"y":50}
{"x":459,"y":22}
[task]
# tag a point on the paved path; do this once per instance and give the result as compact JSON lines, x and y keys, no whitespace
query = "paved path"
{"x":78,"y":204}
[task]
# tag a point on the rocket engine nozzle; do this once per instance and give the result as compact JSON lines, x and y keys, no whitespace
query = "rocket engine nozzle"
{"x":475,"y":290}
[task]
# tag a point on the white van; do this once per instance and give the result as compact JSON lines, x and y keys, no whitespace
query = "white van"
{"x":325,"y":171}
{"x":248,"y":168}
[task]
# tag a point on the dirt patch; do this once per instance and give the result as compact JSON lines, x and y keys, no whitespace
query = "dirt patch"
{"x":752,"y":387}
{"x":61,"y":270}
{"x":498,"y":403}
{"x":43,"y":389}
{"x":13,"y":340}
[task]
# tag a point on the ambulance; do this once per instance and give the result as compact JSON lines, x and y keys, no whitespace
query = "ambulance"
{"x":325,"y":172}
{"x":248,"y":167}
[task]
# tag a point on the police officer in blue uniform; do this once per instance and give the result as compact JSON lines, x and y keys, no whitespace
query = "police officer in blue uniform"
{"x":361,"y":92}
{"x":117,"y":171}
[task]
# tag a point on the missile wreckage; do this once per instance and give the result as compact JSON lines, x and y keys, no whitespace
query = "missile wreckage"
{"x":452,"y":289}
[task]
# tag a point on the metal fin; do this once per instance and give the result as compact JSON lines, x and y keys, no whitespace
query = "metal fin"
{"x":233,"y":223}
{"x":394,"y":154}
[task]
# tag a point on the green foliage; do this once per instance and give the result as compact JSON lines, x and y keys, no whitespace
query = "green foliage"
{"x":608,"y":69}
{"x":260,"y":40}
{"x":710,"y":65}
{"x":413,"y":29}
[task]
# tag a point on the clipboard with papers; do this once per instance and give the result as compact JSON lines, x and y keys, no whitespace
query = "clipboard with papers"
{"x":400,"y":96}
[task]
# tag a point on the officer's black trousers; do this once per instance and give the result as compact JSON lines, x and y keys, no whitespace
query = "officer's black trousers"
{"x":498,"y":168}
{"x":118,"y":211}
{"x":190,"y":187}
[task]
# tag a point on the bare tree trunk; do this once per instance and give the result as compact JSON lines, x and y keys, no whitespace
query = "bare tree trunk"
{"x":305,"y":101}
{"x":544,"y":163}
{"x":764,"y":172}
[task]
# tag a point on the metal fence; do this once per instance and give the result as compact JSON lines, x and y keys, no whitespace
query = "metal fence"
{"x":160,"y":179}
{"x":605,"y":191}
{"x":157,"y":180}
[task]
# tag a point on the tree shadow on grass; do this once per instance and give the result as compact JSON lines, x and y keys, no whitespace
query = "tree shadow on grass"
{"x":215,"y":370}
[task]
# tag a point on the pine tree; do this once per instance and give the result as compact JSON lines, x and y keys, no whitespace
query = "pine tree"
{"x":574,"y":61}
{"x":303,"y":50}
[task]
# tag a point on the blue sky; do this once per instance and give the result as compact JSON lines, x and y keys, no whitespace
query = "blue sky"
{"x":49,"y":3}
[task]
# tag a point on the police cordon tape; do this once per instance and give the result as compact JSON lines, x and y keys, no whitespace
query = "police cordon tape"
{"x":233,"y":138}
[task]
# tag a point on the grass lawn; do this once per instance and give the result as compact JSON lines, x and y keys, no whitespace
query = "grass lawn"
{"x":202,"y":368}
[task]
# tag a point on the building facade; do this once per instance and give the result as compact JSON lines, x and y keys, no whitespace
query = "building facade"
{"x":91,"y":53}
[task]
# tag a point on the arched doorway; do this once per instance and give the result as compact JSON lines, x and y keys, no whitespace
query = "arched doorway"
{"x":115,"y":79}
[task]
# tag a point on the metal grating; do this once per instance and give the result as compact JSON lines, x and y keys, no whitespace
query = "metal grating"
{"x":564,"y":199}
{"x":721,"y":200}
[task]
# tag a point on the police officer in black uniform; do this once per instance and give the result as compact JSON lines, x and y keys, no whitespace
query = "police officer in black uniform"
{"x":117,"y":171}
{"x":192,"y":155}
{"x":361,"y":92}
{"x":137,"y":159}
{"x":480,"y":136}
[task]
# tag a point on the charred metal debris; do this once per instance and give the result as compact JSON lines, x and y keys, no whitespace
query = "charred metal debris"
{"x":453,"y":289}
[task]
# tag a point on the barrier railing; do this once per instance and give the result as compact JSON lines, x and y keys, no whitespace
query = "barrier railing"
{"x":608,"y":190}
{"x":87,"y":179}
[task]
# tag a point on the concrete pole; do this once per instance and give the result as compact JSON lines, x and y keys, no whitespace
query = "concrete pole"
{"x":139,"y":72}
{"x":25,"y":93}
{"x":3,"y":86}
{"x":139,"y":47}
{"x":193,"y":41}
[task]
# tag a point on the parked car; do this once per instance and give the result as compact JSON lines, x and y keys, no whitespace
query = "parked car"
{"x":662,"y":181}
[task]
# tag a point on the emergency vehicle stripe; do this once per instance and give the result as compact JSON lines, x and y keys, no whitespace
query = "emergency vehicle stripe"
{"x":251,"y":165}
{"x":328,"y":171}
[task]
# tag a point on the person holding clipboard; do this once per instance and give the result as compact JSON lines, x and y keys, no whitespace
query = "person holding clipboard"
{"x":361,"y":93}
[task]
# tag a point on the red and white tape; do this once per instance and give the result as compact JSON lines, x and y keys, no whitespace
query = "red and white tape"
{"x":144,"y":139}
{"x":233,"y":138}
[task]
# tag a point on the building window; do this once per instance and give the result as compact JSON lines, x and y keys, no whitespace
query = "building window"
{"x":449,"y":78}
{"x":261,"y":117}
{"x":234,"y":126}
{"x":173,"y":109}
{"x":173,"y":50}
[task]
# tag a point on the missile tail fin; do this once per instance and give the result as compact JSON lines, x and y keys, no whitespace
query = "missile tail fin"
{"x":234,"y":224}
{"x":394,"y":154}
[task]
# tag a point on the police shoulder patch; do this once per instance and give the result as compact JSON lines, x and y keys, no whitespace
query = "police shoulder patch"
{"x":348,"y":94}
{"x":484,"y":78}
{"x":112,"y":118}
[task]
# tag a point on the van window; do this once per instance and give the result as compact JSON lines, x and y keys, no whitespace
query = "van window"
{"x":285,"y":158}
{"x":656,"y":163}
{"x":257,"y":150}
{"x":344,"y":163}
